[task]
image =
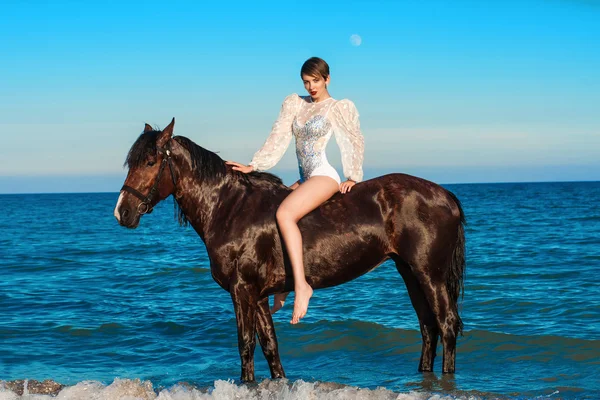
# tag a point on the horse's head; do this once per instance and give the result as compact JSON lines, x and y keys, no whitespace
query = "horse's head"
{"x":151,"y":177}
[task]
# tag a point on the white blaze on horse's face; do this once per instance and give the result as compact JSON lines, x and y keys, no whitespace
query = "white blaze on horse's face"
{"x":117,"y":213}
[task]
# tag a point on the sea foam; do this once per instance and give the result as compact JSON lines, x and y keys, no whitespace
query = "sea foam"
{"x":136,"y":389}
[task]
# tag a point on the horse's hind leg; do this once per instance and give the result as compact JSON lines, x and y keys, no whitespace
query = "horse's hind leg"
{"x":446,"y":316}
{"x":427,"y":320}
{"x":268,"y":338}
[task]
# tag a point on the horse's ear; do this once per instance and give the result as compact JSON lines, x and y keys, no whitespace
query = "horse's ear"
{"x":148,"y":128}
{"x":166,"y":134}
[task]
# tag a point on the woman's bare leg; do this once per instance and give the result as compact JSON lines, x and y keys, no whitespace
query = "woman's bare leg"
{"x":297,"y":204}
{"x":279,"y":298}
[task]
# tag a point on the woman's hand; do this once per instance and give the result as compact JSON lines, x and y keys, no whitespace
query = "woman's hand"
{"x":240,"y":167}
{"x":345,"y":187}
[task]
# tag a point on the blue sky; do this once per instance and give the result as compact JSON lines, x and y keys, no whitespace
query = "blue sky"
{"x":453,"y":91}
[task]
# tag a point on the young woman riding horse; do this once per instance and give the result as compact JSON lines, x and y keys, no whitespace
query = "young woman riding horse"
{"x":312,"y":120}
{"x":413,"y":222}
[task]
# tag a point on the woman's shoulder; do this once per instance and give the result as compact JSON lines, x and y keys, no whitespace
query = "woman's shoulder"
{"x":345,"y":105}
{"x":292,"y":102}
{"x":293,"y":98}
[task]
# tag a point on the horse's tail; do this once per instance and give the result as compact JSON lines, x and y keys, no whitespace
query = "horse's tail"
{"x":455,"y":280}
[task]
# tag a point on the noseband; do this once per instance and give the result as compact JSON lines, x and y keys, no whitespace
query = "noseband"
{"x":145,"y":206}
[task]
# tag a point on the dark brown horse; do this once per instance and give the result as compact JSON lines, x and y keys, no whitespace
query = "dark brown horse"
{"x":416,"y":223}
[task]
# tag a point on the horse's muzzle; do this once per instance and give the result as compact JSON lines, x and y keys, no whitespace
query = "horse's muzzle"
{"x":129,"y":215}
{"x":127,"y":219}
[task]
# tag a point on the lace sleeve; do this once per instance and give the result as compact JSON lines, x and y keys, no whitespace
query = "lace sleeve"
{"x":279,"y":139}
{"x":349,"y":138}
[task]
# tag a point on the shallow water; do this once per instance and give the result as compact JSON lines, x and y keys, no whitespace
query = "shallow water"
{"x":83,"y":300}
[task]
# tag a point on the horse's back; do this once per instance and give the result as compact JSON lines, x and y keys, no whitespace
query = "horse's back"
{"x":394,"y":214}
{"x":352,"y":233}
{"x":418,"y":195}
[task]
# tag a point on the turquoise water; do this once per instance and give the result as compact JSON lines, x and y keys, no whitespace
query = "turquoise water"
{"x":83,"y":299}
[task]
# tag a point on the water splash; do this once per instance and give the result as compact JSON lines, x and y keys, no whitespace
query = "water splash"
{"x":136,"y":389}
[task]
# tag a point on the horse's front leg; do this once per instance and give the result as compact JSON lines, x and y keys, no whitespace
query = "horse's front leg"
{"x":268,"y":338}
{"x":245,"y":306}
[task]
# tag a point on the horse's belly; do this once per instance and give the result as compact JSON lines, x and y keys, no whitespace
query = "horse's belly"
{"x":337,"y":263}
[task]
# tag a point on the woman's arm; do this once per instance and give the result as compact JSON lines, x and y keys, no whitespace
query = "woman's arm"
{"x":277,"y":142}
{"x":279,"y":139}
{"x":349,"y":138}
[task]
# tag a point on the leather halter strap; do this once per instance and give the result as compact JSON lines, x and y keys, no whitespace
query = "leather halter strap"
{"x":146,"y":205}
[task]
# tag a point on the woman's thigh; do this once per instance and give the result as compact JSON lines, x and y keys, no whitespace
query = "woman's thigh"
{"x":308,"y":196}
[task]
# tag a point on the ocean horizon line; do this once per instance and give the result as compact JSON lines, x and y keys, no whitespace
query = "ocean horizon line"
{"x":439,"y":183}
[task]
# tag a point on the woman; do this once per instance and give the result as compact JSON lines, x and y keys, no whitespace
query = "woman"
{"x":312,"y":120}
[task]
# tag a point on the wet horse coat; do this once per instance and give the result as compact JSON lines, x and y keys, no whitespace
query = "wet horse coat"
{"x":416,"y":223}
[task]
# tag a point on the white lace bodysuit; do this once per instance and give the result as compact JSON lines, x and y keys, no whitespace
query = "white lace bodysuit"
{"x":312,"y":124}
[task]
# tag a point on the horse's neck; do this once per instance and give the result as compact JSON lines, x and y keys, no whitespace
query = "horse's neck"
{"x":193,"y":202}
{"x":199,"y":201}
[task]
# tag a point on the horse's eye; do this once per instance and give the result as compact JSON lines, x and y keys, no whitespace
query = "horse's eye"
{"x":150,"y":163}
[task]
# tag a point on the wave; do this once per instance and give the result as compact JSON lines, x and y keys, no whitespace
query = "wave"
{"x":111,"y":328}
{"x":134,"y":389}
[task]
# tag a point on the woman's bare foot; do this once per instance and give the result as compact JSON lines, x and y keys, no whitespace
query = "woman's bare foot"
{"x":303,"y":295}
{"x":278,"y":302}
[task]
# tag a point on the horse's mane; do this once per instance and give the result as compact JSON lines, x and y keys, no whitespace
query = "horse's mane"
{"x":207,"y":166}
{"x":144,"y":146}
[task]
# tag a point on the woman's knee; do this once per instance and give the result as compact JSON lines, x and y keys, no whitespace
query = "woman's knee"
{"x":284,"y":215}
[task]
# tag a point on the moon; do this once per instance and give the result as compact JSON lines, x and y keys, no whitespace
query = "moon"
{"x":355,"y":40}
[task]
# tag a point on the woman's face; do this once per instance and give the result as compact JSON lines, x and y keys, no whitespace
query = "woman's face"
{"x":315,"y":86}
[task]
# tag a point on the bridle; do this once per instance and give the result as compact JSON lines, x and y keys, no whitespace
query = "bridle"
{"x":145,"y":207}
